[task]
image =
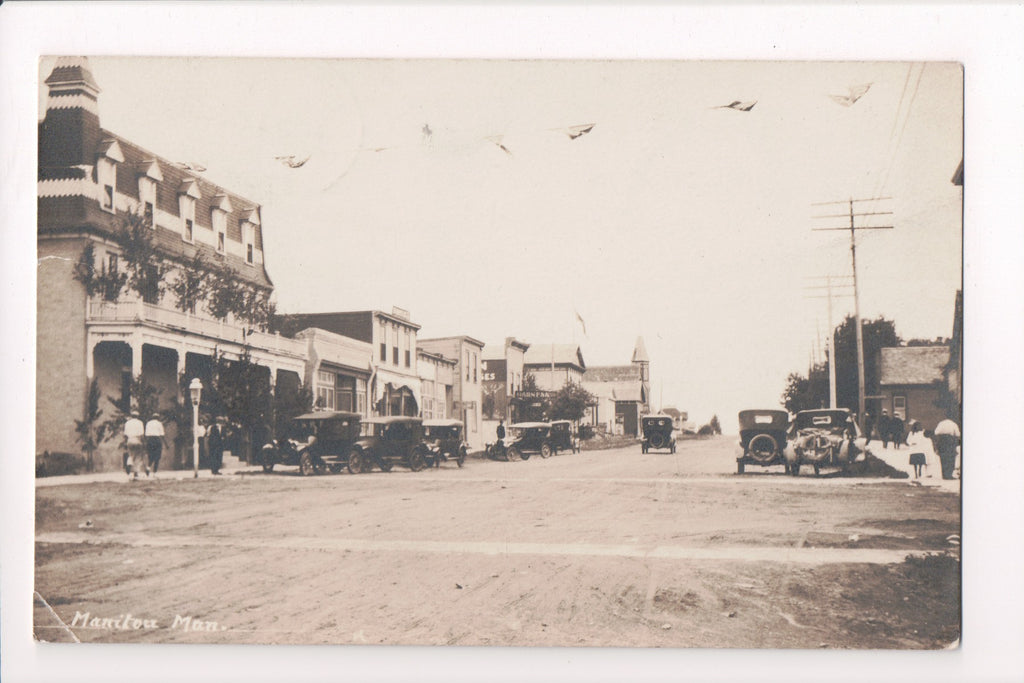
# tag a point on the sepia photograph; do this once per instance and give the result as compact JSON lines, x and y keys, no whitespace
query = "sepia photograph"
{"x":468,"y":352}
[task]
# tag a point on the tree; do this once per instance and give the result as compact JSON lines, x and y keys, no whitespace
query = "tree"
{"x":716,"y":427}
{"x":106,"y":283}
{"x":241,"y":393}
{"x":191,"y":285}
{"x":145,"y":267}
{"x":569,"y":403}
{"x":141,"y":397}
{"x":89,"y":430}
{"x":804,"y":393}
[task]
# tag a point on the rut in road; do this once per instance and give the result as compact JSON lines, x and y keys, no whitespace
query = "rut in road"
{"x":803,"y":555}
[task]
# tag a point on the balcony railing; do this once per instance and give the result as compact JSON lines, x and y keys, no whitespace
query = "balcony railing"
{"x":172,"y":318}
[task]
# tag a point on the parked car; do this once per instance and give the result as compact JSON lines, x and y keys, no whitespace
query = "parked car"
{"x":316,"y":443}
{"x":657,"y":431}
{"x":527,"y":438}
{"x":762,"y":438}
{"x":563,"y":437}
{"x":444,"y":440}
{"x":385,"y":441}
{"x":824,"y":438}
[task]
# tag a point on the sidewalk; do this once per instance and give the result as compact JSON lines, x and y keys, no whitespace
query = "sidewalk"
{"x":899,"y":458}
{"x":231,"y":466}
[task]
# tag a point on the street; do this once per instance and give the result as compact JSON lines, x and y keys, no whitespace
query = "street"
{"x":600,"y":548}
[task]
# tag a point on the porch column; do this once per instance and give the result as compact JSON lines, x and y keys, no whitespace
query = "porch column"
{"x":136,"y":346}
{"x":90,"y":364}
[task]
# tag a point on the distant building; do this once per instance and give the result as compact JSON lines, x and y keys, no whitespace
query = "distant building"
{"x":622,"y":390}
{"x":337,"y":370}
{"x":467,"y":385}
{"x":503,"y":367}
{"x":912,"y":382}
{"x":554,"y":365}
{"x":394,"y":383}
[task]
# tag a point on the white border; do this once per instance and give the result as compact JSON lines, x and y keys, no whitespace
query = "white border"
{"x":986,"y":39}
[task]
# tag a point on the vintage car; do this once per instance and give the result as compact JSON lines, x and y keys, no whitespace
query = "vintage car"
{"x":563,"y":437}
{"x":657,"y":431}
{"x":444,"y":441}
{"x":527,"y":438}
{"x":315,"y":442}
{"x":385,"y":441}
{"x":762,"y":438}
{"x":824,"y":438}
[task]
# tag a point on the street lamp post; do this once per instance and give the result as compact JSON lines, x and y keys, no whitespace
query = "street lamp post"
{"x":195,"y":389}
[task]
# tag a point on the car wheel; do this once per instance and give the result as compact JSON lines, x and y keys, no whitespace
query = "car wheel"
{"x":657,"y":440}
{"x":513,"y":454}
{"x":545,"y":451}
{"x":306,"y":466}
{"x":416,"y":460}
{"x":462,"y":457}
{"x":763,"y":448}
{"x":355,"y":462}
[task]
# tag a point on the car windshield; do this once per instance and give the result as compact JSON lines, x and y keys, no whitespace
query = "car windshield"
{"x":436,"y":432}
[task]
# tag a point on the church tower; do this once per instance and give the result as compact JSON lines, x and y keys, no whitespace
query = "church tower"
{"x":643,"y":362}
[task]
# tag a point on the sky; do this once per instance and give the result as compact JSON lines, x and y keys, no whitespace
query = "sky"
{"x":453,"y":189}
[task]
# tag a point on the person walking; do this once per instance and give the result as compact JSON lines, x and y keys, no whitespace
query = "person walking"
{"x":884,"y":428}
{"x":215,"y":446}
{"x":869,"y":426}
{"x":946,"y":439}
{"x":896,"y":431}
{"x":155,"y":442}
{"x":134,"y":435}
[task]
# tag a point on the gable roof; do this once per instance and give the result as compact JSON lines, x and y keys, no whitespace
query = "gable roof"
{"x":912,"y":364}
{"x":612,"y":373}
{"x":540,"y":355}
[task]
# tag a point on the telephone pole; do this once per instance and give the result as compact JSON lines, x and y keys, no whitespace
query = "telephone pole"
{"x":853,"y":228}
{"x":830,"y":350}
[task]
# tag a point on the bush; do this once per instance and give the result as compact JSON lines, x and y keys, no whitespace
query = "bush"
{"x":56,"y":464}
{"x":586,"y":432}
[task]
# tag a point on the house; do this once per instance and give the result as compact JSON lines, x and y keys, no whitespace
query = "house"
{"x":338,"y":370}
{"x":437,"y":380}
{"x":467,"y":387}
{"x":912,"y":382}
{"x":502,"y":368}
{"x":183,"y":293}
{"x":625,"y":388}
{"x":393,"y":387}
{"x":554,"y":365}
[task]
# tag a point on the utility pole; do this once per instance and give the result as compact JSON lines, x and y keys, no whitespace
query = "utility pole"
{"x":830,"y":350}
{"x":853,"y":228}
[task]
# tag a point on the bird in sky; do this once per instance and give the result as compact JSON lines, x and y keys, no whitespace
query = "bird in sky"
{"x":290,"y":161}
{"x":738,"y":106}
{"x":856,"y":92}
{"x":190,"y":166}
{"x":496,"y":139}
{"x":576,"y":131}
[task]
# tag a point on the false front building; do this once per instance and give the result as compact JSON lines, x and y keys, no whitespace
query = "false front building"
{"x":148,"y":276}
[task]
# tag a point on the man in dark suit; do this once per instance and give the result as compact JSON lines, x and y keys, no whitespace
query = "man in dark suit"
{"x":215,"y":446}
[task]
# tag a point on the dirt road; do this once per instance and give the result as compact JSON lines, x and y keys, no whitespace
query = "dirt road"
{"x":601,"y":548}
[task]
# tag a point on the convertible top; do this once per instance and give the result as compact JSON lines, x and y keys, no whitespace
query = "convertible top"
{"x":322,"y":415}
{"x":530,"y":425}
{"x":442,"y":423}
{"x":392,"y":419}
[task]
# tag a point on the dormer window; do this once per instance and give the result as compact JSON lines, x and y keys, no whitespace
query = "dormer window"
{"x":188,"y":193}
{"x":219,"y":220}
{"x":248,"y":223}
{"x":106,"y":172}
{"x":149,"y":176}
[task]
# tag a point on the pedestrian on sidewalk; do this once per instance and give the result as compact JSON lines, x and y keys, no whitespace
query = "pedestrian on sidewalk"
{"x":946,"y":439}
{"x":134,"y":435}
{"x":884,"y":428}
{"x":869,"y":426}
{"x":896,"y":431}
{"x":215,"y":446}
{"x":155,"y":441}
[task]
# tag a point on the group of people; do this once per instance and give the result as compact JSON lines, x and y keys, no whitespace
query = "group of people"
{"x":890,"y":429}
{"x":145,"y":443}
